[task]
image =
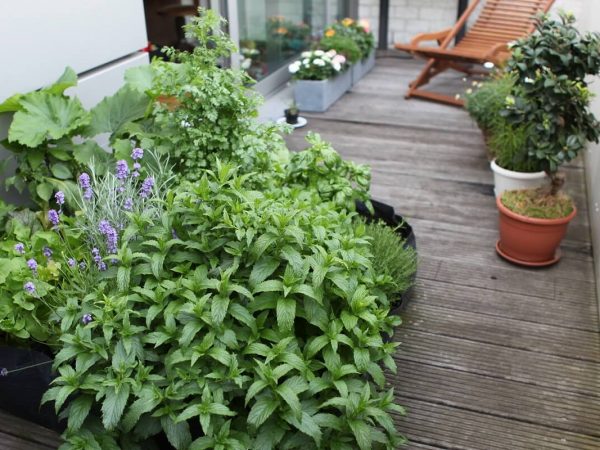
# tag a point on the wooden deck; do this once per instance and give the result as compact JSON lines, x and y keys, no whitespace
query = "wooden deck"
{"x":493,"y":356}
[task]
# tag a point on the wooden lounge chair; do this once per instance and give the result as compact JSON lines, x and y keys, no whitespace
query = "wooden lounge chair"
{"x":499,"y":23}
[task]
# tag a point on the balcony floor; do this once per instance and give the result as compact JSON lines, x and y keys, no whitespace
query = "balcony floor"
{"x":493,"y":356}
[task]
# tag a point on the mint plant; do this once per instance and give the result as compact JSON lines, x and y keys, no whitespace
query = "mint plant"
{"x":237,"y":318}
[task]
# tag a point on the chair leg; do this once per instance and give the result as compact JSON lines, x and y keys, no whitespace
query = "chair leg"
{"x":431,"y":69}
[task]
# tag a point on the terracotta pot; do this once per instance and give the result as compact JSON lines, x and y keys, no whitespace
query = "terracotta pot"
{"x":170,"y":101}
{"x":528,"y":241}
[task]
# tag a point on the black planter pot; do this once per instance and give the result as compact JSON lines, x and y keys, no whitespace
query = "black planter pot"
{"x":290,"y":118}
{"x":387,"y":214}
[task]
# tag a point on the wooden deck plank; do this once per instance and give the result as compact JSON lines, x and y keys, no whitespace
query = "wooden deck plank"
{"x":25,"y":435}
{"x":492,"y":356}
{"x":503,"y":398}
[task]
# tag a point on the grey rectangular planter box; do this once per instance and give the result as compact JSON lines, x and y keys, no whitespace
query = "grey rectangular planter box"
{"x":362,"y":67}
{"x":318,"y":95}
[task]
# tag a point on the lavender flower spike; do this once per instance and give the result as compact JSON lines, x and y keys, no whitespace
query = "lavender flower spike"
{"x":3,"y":372}
{"x":88,"y":194}
{"x":32,"y":264}
{"x":122,"y":169}
{"x":60,"y":198}
{"x":29,"y":287}
{"x":47,"y":252}
{"x":128,"y":204}
{"x":137,"y":153}
{"x":84,"y":181}
{"x":72,"y":262}
{"x":19,"y":248}
{"x":146,"y":188}
{"x":111,"y":235}
{"x":53,"y":217}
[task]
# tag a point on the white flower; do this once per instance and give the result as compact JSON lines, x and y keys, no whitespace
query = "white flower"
{"x":488,"y":65}
{"x":294,"y":67}
{"x":528,"y":80}
{"x":469,"y":91}
{"x":246,"y":63}
{"x":331,"y":53}
{"x":319,"y":62}
{"x":339,"y":59}
{"x":305,"y":54}
{"x":306,"y":61}
{"x":336,"y":66}
{"x":319,"y":52}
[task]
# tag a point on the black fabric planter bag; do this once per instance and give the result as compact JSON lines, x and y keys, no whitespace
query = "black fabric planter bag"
{"x":387,"y":214}
{"x":22,"y":386}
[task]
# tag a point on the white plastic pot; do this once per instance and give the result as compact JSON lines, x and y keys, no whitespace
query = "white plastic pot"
{"x":508,"y":180}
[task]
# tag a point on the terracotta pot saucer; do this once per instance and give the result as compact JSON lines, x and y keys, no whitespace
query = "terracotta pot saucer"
{"x":527,"y":263}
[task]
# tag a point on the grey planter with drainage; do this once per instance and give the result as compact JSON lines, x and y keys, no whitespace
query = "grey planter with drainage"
{"x":318,"y":95}
{"x":362,"y":67}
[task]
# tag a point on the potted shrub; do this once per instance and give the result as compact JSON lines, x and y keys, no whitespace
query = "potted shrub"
{"x":506,"y":142}
{"x":551,"y":100}
{"x":321,"y":79}
{"x":360,"y":33}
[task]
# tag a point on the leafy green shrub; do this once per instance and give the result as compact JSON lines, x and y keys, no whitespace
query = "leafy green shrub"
{"x":237,"y":318}
{"x":358,"y":31}
{"x":552,"y":96}
{"x":201,"y":111}
{"x":487,"y":99}
{"x":536,"y":203}
{"x":50,"y":135}
{"x":342,"y":44}
{"x":391,"y":258}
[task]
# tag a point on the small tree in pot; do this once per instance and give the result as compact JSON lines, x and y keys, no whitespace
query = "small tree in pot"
{"x":552,"y":99}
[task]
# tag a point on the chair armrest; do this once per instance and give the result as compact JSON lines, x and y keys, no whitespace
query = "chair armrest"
{"x":438,"y":36}
{"x":498,"y":53}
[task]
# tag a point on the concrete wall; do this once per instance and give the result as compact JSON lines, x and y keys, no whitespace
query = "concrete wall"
{"x":410,"y":17}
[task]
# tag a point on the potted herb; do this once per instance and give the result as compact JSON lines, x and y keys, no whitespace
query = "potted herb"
{"x":359,"y":32}
{"x":506,"y":142}
{"x":551,"y":100}
{"x":291,"y":114}
{"x":321,"y":79}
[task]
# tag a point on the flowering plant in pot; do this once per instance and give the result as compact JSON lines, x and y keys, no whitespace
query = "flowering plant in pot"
{"x":321,"y":79}
{"x":551,"y":101}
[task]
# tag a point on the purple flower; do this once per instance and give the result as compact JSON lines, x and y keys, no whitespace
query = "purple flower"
{"x":60,"y":198}
{"x":88,"y":194}
{"x":96,"y":255}
{"x":110,"y":234}
{"x":47,"y":252}
{"x":174,"y":233}
{"x":32,"y":264}
{"x":87,"y":318}
{"x":29,"y":287}
{"x":71,"y":262}
{"x":146,"y":188}
{"x":128,"y":204}
{"x":122,"y":169}
{"x":137,"y":153}
{"x":101,"y":266}
{"x":137,"y":166}
{"x":53,"y":217}
{"x":20,"y":248}
{"x":84,"y":181}
{"x":82,"y":265}
{"x":3,"y":372}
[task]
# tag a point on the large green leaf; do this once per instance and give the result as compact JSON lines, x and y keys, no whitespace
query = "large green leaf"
{"x":67,"y":79}
{"x":45,"y":116}
{"x":61,"y":171}
{"x":140,"y":78}
{"x":89,"y":153}
{"x":113,"y":112}
{"x":78,"y":411}
{"x":11,"y":104}
{"x":113,"y":406}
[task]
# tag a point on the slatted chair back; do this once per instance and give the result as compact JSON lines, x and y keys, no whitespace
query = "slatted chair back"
{"x":502,"y":21}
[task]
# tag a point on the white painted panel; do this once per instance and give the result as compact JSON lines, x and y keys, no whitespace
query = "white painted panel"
{"x":40,"y":37}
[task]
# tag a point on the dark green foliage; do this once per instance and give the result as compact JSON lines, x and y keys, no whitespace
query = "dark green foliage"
{"x":392,"y":259}
{"x":357,"y":31}
{"x":550,"y":66}
{"x":258,"y":323}
{"x":342,"y":44}
{"x":487,"y":99}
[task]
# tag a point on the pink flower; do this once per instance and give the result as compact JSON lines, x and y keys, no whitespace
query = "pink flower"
{"x":340,"y":59}
{"x":365,"y":25}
